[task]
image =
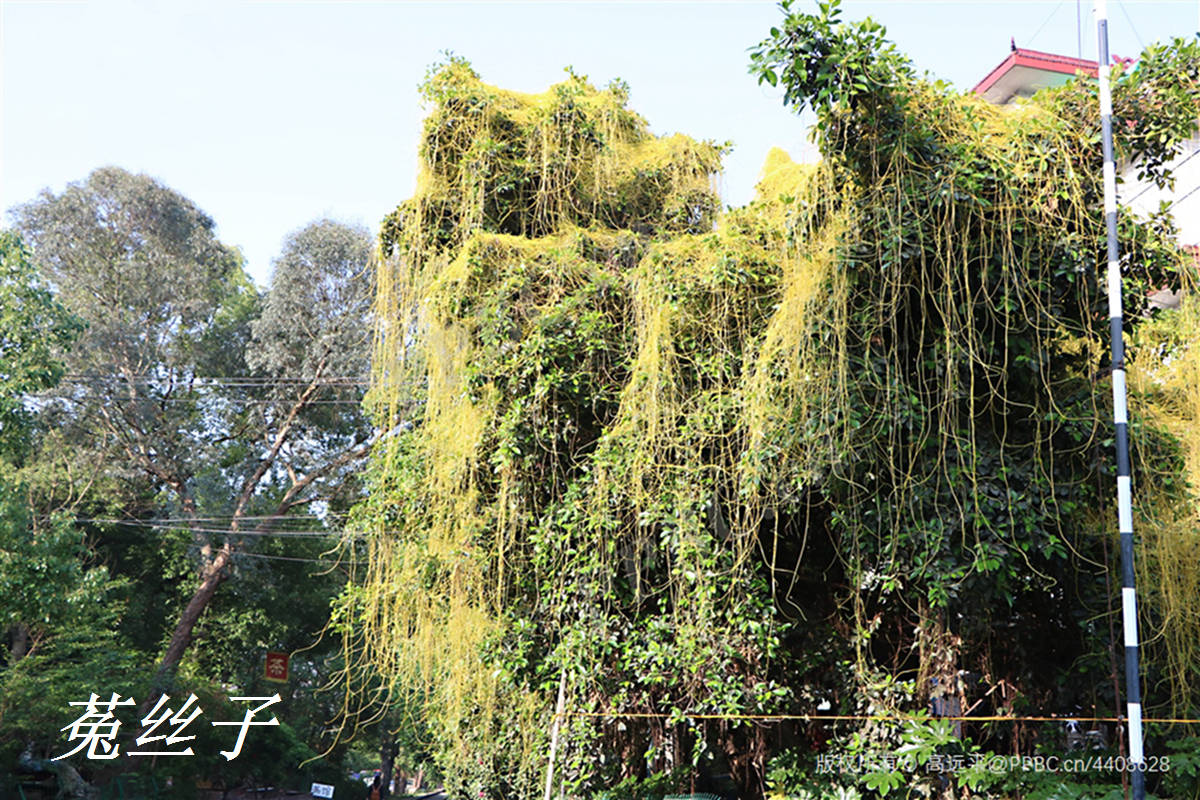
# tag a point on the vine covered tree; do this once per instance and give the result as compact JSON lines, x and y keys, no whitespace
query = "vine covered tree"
{"x":834,"y":453}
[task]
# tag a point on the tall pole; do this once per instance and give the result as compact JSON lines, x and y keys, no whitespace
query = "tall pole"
{"x":1133,"y":690}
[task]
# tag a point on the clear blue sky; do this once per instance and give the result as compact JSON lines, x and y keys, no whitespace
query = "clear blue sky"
{"x":271,"y":114}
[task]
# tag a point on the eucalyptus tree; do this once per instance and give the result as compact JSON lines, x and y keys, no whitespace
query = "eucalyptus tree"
{"x":230,"y":409}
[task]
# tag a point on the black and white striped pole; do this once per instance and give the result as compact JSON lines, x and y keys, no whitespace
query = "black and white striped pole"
{"x":1133,"y":690}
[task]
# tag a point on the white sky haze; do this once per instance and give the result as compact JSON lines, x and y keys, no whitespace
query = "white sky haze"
{"x":270,"y":114}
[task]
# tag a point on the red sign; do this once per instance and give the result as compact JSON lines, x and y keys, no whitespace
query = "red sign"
{"x":277,"y":667}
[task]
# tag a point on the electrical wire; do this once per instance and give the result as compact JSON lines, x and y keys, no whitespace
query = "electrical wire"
{"x":1179,"y":200}
{"x":183,"y":525}
{"x":223,"y":380}
{"x":218,"y":518}
{"x":1042,"y":27}
{"x":245,"y":401}
{"x":307,"y":560}
{"x":862,"y":717}
{"x":1151,"y":185}
{"x":276,"y":534}
{"x":1133,"y":27}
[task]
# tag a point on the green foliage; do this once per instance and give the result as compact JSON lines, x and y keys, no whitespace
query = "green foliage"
{"x":59,"y":614}
{"x":983,"y":382}
{"x":57,"y":609}
{"x":526,"y":164}
{"x":195,"y":399}
{"x":926,"y":759}
{"x":79,"y":656}
{"x":140,"y":264}
{"x":192,"y":398}
{"x":43,"y":580}
{"x":34,"y":331}
{"x":319,"y":304}
{"x":577,"y":168}
{"x":315,"y":325}
{"x":827,"y":64}
{"x":1157,"y":103}
{"x":138,"y":261}
{"x":1183,"y":779}
{"x":652,"y":787}
{"x":1154,"y":103}
{"x":837,"y":452}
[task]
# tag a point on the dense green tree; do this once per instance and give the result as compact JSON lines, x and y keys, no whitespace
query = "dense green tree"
{"x":34,"y":330}
{"x":317,"y":312}
{"x":60,"y":610}
{"x":315,"y":329}
{"x":199,"y":424}
{"x":57,"y":607}
{"x":965,"y":504}
{"x":142,"y":266}
{"x":228,"y":412}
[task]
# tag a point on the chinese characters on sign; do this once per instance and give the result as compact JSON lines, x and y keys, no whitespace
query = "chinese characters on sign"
{"x":277,"y":667}
{"x":96,"y":729}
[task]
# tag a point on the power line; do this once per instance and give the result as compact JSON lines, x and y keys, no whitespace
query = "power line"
{"x":308,"y":560}
{"x":222,"y":381}
{"x":157,"y":400}
{"x":192,"y":385}
{"x":862,"y":717}
{"x":1176,"y":165}
{"x":223,"y":378}
{"x":217,"y":518}
{"x":1179,"y":200}
{"x":1129,"y":19}
{"x":278,"y":534}
{"x":183,"y":524}
{"x":233,"y":532}
{"x":226,"y":531}
{"x":1041,"y":27}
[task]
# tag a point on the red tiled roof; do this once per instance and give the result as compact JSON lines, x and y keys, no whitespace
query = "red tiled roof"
{"x":1050,"y":62}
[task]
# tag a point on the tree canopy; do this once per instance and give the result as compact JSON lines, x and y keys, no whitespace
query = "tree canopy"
{"x":839,"y":452}
{"x":203,"y":434}
{"x":634,"y":496}
{"x":35,"y":329}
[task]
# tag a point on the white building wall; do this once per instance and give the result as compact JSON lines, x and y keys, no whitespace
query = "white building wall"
{"x":1144,"y":197}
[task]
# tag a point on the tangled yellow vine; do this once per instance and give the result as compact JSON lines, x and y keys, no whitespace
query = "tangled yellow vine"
{"x":766,"y":461}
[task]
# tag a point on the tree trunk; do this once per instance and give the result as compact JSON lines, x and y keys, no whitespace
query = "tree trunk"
{"x":216,"y":571}
{"x":20,"y":642}
{"x":387,"y":757}
{"x":210,"y":579}
{"x":71,"y":783}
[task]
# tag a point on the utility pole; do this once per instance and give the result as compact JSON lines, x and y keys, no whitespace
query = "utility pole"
{"x":1133,"y":689}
